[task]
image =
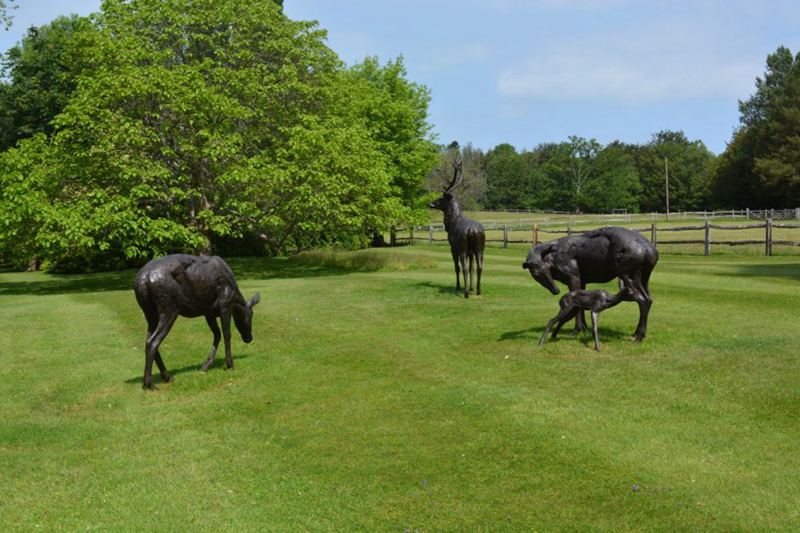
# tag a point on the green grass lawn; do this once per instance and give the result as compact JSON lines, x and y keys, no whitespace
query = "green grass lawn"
{"x":375,"y":398}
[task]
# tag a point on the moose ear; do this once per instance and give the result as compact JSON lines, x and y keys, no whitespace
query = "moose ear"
{"x":525,"y":265}
{"x":254,"y":300}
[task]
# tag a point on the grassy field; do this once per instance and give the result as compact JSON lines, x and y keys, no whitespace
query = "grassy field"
{"x":375,"y":398}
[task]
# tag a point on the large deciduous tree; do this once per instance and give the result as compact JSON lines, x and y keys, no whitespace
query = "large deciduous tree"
{"x":210,"y":119}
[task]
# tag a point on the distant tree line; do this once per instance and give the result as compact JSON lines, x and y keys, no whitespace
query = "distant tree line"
{"x":581,"y":175}
{"x":760,"y":167}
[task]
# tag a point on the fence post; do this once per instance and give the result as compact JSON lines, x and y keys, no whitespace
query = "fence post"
{"x":768,"y":238}
{"x":392,"y":236}
{"x":748,"y":213}
{"x":430,"y":234}
{"x":569,"y":230}
{"x":797,"y":213}
{"x":411,"y":234}
{"x":535,"y":234}
{"x":707,"y":250}
{"x":653,"y":236}
{"x":505,"y":235}
{"x":772,"y":213}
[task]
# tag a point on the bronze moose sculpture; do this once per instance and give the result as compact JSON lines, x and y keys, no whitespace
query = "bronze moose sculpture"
{"x":466,"y":236}
{"x":190,"y":286}
{"x":575,"y":301}
{"x":598,"y":256}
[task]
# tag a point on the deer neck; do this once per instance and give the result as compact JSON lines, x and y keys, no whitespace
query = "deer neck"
{"x":452,"y":215}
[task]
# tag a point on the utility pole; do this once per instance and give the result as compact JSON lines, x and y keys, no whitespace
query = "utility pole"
{"x":666,"y":179}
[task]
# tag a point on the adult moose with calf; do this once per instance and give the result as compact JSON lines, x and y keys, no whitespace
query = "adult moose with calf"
{"x":598,"y":256}
{"x":190,"y":286}
{"x":466,"y":236}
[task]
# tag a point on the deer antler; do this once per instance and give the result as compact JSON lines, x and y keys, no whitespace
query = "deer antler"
{"x":458,"y":175}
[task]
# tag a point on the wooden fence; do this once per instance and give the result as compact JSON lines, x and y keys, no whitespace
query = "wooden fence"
{"x":536,"y":234}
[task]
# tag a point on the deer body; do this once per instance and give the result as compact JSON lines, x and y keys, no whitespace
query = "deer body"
{"x":190,"y":286}
{"x":466,"y":236}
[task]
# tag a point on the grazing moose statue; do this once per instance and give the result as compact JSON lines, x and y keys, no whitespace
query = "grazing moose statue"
{"x":575,"y":301}
{"x":190,"y":286}
{"x":598,"y":256}
{"x":466,"y":236}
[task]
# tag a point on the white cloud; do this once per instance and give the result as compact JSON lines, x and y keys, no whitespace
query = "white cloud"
{"x":662,"y":62}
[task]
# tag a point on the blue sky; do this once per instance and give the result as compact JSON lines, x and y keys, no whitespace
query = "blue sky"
{"x":533,"y":71}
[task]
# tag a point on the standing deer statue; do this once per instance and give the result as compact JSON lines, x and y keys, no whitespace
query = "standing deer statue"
{"x":466,"y":236}
{"x":190,"y":286}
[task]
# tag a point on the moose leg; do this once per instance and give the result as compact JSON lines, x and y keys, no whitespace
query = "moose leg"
{"x":463,"y":259}
{"x":212,"y":324}
{"x":166,"y":376}
{"x":594,"y":330}
{"x":165,"y":323}
{"x":580,"y":317}
{"x":479,"y":259}
{"x":644,"y":300}
{"x":225,"y":318}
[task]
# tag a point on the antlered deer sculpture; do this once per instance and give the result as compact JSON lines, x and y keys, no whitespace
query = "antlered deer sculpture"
{"x":466,"y":236}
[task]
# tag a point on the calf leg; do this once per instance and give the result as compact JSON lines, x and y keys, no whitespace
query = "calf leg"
{"x":212,"y":324}
{"x":155,"y":339}
{"x":568,"y":314}
{"x":549,"y":325}
{"x":594,"y":330}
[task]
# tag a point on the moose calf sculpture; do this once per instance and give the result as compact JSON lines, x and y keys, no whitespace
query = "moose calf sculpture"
{"x":575,"y":301}
{"x":466,"y":236}
{"x":190,"y":286}
{"x":597,"y":256}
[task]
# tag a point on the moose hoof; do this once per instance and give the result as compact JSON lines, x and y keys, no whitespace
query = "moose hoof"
{"x":167,"y":377}
{"x":148,"y":384}
{"x":229,"y":365}
{"x":638,"y":338}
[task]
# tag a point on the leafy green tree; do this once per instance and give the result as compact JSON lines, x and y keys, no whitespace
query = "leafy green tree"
{"x":507,"y":178}
{"x":42,"y":72}
{"x":690,"y":164}
{"x":759,"y":166}
{"x":616,"y":182}
{"x":210,"y":119}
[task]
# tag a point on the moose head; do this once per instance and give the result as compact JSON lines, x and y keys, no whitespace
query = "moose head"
{"x":243,"y":317}
{"x":540,"y":264}
{"x":447,"y":199}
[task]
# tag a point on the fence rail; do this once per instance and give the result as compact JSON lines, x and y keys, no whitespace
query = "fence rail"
{"x":431,"y":233}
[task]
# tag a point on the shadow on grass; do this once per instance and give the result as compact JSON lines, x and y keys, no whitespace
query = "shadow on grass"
{"x":70,"y":283}
{"x":308,"y":264}
{"x":219,"y":364}
{"x":586,"y":338}
{"x":789,"y":271}
{"x":443,"y":289}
